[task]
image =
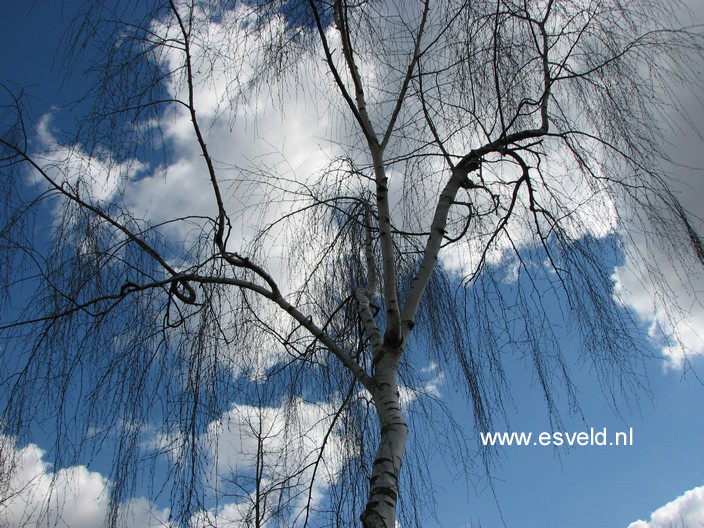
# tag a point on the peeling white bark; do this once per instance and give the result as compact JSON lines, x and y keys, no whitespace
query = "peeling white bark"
{"x":384,"y":481}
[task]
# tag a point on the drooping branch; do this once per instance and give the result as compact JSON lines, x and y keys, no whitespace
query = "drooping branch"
{"x":74,"y":197}
{"x":222,"y":215}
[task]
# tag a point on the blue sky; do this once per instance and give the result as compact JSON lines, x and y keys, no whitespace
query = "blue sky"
{"x":610,"y":486}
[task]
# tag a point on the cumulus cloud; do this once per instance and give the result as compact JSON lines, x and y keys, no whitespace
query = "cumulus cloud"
{"x":287,"y":442}
{"x":670,"y":309}
{"x":265,"y":143}
{"x":686,"y":511}
{"x":269,"y":144}
{"x":684,"y":320}
{"x":94,"y":177}
{"x":283,"y":454}
{"x":75,"y":496}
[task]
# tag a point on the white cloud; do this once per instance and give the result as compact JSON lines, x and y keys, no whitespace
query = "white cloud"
{"x":78,"y":497}
{"x":668,"y":306}
{"x":73,"y":496}
{"x":94,"y":178}
{"x":292,"y":436}
{"x":686,"y":511}
{"x":435,"y":377}
{"x":285,"y":440}
{"x":265,"y":144}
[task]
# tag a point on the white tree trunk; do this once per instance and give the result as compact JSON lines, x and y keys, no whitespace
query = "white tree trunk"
{"x":383,"y":494}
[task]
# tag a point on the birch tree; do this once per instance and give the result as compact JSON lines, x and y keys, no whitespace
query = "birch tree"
{"x":469,"y":145}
